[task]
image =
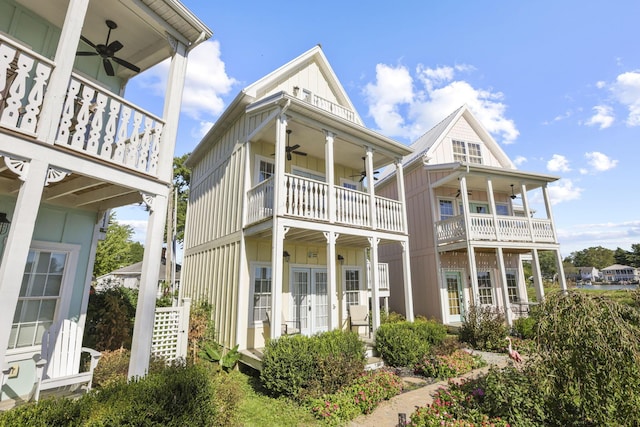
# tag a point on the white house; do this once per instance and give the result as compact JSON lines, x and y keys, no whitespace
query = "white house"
{"x":466,"y":205}
{"x":621,"y":273}
{"x":73,"y":147}
{"x":282,"y":216}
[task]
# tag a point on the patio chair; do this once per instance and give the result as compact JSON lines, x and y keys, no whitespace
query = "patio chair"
{"x":288,"y":326}
{"x":359,"y":316}
{"x":58,"y":366}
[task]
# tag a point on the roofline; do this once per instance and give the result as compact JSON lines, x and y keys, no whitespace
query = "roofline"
{"x":469,"y":167}
{"x":191,"y":18}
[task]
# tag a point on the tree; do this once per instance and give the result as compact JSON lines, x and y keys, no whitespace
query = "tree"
{"x":181,"y":182}
{"x":116,"y":250}
{"x":548,"y":265}
{"x":597,"y":257}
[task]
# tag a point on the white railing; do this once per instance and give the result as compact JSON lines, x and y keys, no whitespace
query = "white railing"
{"x":260,"y":201}
{"x":171,"y":332}
{"x":389,"y":214}
{"x":23,"y":77}
{"x":352,"y":207}
{"x":383,"y":276}
{"x":334,"y":108}
{"x":305,"y":198}
{"x":504,"y":228}
{"x":106,"y":126}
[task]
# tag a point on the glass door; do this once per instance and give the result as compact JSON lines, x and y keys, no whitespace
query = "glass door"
{"x":310,"y":299}
{"x":455,"y":303}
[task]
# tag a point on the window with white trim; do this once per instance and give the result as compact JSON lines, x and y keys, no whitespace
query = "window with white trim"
{"x":446,"y":209}
{"x":265,"y":169}
{"x":485,"y":290}
{"x":47,"y":275}
{"x":261,"y":292}
{"x":352,"y":286}
{"x":308,"y":173}
{"x":512,"y":285}
{"x":502,"y":209}
{"x":467,"y":152}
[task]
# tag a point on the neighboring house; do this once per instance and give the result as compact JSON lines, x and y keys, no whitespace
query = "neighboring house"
{"x":72,"y":149}
{"x":130,"y":275}
{"x":281,"y":219}
{"x":469,"y":235}
{"x":588,"y":274}
{"x":620,"y":273}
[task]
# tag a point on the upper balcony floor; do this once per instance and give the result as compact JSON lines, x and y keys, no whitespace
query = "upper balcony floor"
{"x":64,"y":67}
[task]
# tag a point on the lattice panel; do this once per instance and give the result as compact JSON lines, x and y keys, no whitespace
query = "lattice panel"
{"x":169,"y":329}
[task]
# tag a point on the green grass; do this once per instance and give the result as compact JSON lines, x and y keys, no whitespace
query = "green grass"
{"x":622,"y":296}
{"x":259,"y":410}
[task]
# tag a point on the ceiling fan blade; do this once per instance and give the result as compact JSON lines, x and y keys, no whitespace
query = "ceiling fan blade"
{"x":86,"y":53}
{"x":376,"y":172}
{"x":114,"y":46}
{"x":362,"y":178}
{"x":124,"y":63}
{"x":108,"y":68}
{"x":293,"y":147}
{"x":299,"y":153}
{"x":288,"y":155}
{"x":87,"y":41}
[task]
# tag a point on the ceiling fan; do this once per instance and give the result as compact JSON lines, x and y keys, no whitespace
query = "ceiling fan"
{"x":459,"y":192}
{"x":513,"y":195}
{"x":107,"y":51}
{"x":363,"y":174}
{"x":292,"y":148}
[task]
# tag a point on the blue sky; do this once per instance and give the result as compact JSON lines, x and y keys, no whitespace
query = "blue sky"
{"x":557,"y":84}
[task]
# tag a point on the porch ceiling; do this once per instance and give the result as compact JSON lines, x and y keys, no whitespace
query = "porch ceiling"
{"x":313,"y":237}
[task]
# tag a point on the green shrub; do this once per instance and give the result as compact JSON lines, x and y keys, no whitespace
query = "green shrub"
{"x":48,"y":412}
{"x":390,"y":317}
{"x":405,"y":343}
{"x":114,"y":366}
{"x":448,"y":366}
{"x":525,"y":327}
{"x":110,"y":315}
{"x":484,"y":328}
{"x":302,"y":367}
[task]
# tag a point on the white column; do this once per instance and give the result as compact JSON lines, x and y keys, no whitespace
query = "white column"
{"x":171,"y":113}
{"x":547,"y":205}
{"x":408,"y":289}
{"x":332,"y":279}
{"x":370,"y":181}
{"x":375,"y":283}
{"x":505,"y":290}
{"x":527,"y":212}
{"x":402,"y":198}
{"x":16,"y":250}
{"x":537,"y":274}
{"x":59,"y":80}
{"x":89,"y":274}
{"x":277,"y":276}
{"x":279,"y":166}
{"x":146,"y":308}
{"x":560,"y":267}
{"x":473,"y":276}
{"x":331,"y":191}
{"x":492,"y":207}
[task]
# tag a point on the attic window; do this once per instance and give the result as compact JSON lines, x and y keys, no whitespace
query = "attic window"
{"x":466,"y":152}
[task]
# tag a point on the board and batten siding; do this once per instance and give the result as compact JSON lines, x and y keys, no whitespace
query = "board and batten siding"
{"x":308,"y":77}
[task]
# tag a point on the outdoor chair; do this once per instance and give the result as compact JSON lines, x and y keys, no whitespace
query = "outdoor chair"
{"x":288,"y":327}
{"x":359,"y":316}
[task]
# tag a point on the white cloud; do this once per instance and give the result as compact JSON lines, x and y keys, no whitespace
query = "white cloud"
{"x":558,"y":163}
{"x":519,"y":160}
{"x":600,"y":162}
{"x":608,"y":235}
{"x":427,"y":98}
{"x":603,"y":117}
{"x":626,"y":90}
{"x":139,"y":228}
{"x":564,"y":191}
{"x":206,"y":81}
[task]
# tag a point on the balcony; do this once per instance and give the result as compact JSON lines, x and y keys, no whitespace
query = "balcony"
{"x":93,"y":121}
{"x":484,"y":227}
{"x":308,"y":199}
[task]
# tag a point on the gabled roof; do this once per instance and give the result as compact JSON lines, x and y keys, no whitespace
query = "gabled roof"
{"x":618,"y":267}
{"x":427,"y":143}
{"x":136,"y":269}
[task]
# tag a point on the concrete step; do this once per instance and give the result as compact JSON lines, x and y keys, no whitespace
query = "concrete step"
{"x":373,"y":363}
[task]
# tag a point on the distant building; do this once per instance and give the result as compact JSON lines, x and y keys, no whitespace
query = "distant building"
{"x":588,"y":274}
{"x":621,"y":273}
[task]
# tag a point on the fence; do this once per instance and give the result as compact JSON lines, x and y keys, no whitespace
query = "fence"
{"x":171,"y":332}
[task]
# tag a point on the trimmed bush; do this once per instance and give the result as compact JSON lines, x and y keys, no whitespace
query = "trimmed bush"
{"x":406,"y":343}
{"x":303,"y":367}
{"x":484,"y":328}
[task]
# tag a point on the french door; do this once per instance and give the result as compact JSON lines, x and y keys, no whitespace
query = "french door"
{"x":455,"y":303}
{"x":310,"y":299}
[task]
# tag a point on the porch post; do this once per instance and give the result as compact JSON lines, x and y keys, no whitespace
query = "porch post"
{"x":279,"y":165}
{"x":277,"y":276}
{"x":59,"y":80}
{"x":331,"y":192}
{"x":332,"y":279}
{"x":16,"y":250}
{"x":372,"y":195}
{"x":561,"y":279}
{"x":505,"y":290}
{"x":492,"y":207}
{"x":537,"y":275}
{"x":473,"y":273}
{"x":401,"y":194}
{"x":375,"y":283}
{"x":408,"y":288}
{"x":146,"y":308}
{"x":527,"y":214}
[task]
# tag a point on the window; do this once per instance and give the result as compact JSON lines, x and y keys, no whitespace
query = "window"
{"x":306,"y":173}
{"x":261,"y":292}
{"x":512,"y":286}
{"x":467,"y":152}
{"x":41,"y":294}
{"x":485,"y":291}
{"x":502,"y":209}
{"x":265,"y":169}
{"x":446,"y":209}
{"x":352,"y":286}
{"x":347,"y":183}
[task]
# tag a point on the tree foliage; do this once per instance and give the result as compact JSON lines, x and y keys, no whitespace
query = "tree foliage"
{"x":181,"y":182}
{"x":548,"y":265}
{"x":595,"y":256}
{"x":630,"y":258}
{"x":117,"y":250}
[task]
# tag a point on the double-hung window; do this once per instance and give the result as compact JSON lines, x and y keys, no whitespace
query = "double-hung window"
{"x":446,"y":209}
{"x":47,"y":277}
{"x":261,"y":291}
{"x":352,"y":286}
{"x":512,"y":286}
{"x":466,"y":152}
{"x":485,"y":290}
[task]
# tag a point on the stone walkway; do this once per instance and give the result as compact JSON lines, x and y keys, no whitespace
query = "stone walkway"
{"x":386,"y":414}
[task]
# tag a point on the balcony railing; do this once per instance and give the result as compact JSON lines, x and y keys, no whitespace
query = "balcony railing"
{"x":308,"y":199}
{"x":94,"y":121}
{"x":502,"y":228}
{"x":334,"y":108}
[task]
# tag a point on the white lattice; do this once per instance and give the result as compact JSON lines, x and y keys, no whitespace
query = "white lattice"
{"x":170,"y":330}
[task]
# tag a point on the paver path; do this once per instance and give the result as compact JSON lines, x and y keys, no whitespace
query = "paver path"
{"x":386,"y":414}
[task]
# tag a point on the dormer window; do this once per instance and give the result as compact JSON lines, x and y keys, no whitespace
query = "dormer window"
{"x":466,"y":152}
